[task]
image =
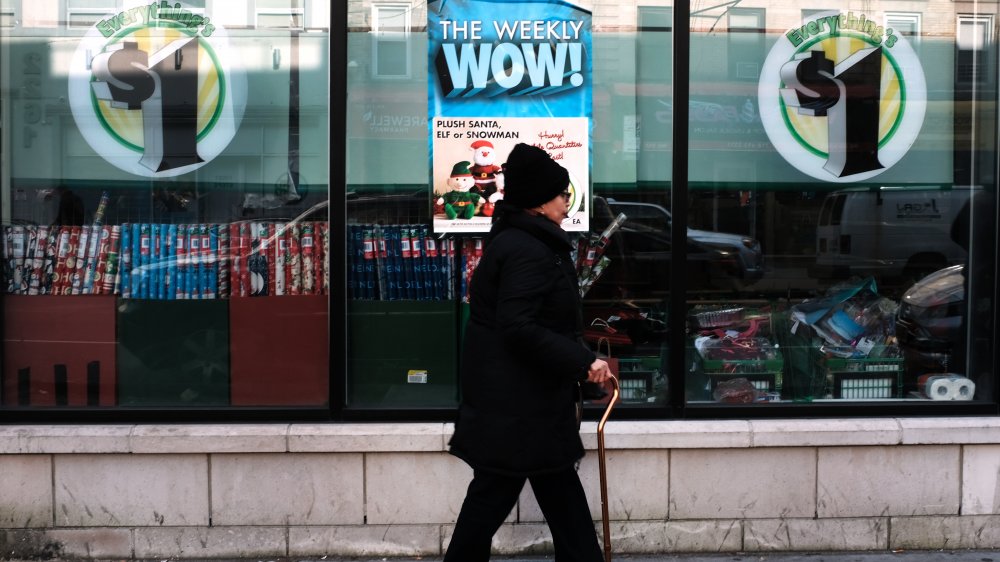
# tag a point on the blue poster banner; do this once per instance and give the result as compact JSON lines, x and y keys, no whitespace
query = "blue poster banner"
{"x":505,"y":72}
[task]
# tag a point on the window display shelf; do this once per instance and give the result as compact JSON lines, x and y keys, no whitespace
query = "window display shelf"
{"x":173,"y":353}
{"x":279,"y":351}
{"x":59,"y":352}
{"x":416,"y":367}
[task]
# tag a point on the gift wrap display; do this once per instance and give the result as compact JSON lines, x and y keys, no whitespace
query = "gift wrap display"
{"x":168,"y":261}
{"x":89,"y":318}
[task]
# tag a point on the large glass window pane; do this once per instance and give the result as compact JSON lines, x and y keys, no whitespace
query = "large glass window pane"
{"x":389,"y":210}
{"x":164,"y":197}
{"x":626,"y":307}
{"x":862,"y":168}
{"x":409,"y":110}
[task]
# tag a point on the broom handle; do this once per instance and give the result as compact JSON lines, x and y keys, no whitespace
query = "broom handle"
{"x":603,"y":468}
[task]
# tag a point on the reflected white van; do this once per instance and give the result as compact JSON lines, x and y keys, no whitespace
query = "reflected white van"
{"x":899,"y":233}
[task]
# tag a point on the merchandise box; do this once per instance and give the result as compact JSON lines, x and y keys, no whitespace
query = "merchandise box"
{"x":402,"y":353}
{"x":279,"y":350}
{"x":173,"y":352}
{"x":59,"y":351}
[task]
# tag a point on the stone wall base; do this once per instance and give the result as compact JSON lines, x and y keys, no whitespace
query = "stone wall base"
{"x":273,"y":490}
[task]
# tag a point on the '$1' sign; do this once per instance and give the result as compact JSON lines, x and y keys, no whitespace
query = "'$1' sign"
{"x":164,"y":86}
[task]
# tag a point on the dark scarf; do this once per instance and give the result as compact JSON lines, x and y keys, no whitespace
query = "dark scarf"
{"x":538,"y":226}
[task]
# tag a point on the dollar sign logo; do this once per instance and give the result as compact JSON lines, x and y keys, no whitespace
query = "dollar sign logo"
{"x":123,"y":76}
{"x":164,"y":86}
{"x":811,"y":81}
{"x":848,"y":96}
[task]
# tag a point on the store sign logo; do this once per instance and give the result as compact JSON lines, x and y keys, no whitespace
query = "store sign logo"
{"x":153,"y":90}
{"x":842,"y":98}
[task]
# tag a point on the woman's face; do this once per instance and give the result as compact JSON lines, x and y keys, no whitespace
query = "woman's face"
{"x":557,"y":208}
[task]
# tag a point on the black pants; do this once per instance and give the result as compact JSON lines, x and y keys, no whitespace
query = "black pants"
{"x":491,"y":497}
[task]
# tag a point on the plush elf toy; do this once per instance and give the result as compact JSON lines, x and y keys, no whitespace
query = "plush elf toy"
{"x":459,"y":202}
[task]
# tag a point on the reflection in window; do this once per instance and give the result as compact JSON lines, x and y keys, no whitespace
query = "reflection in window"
{"x":973,"y":37}
{"x":81,"y":14}
{"x":655,"y":22}
{"x":7,"y":13}
{"x":279,"y":14}
{"x":746,"y":42}
{"x":279,"y":21}
{"x":390,"y":33}
{"x":905,"y":24}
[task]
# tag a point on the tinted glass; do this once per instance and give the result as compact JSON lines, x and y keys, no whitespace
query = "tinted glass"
{"x":164,"y":199}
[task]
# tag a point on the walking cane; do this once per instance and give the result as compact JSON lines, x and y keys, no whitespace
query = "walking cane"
{"x":604,"y":469}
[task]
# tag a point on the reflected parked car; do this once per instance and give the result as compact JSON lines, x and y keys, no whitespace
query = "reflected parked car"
{"x":930,"y":322}
{"x":897,"y":234}
{"x":642,"y":250}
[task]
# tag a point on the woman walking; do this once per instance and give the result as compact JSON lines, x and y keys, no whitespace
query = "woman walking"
{"x":522,"y":364}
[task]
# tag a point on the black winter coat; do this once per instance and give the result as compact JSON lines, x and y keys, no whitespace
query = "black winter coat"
{"x":522,"y":356}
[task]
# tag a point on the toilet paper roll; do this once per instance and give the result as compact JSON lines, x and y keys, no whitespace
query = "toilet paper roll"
{"x":948,"y":386}
{"x":940,"y":388}
{"x":962,"y":387}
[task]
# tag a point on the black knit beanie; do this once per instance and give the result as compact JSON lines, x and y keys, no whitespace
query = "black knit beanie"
{"x":531,"y":177}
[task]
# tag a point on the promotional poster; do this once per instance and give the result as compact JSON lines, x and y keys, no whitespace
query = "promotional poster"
{"x":505,"y":73}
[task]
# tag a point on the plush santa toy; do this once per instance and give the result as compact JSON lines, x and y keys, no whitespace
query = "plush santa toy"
{"x":461,"y":201}
{"x":484,"y":169}
{"x":490,"y":205}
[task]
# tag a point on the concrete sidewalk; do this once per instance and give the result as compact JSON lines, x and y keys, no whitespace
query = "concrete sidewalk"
{"x":881,"y":556}
{"x":901,"y":556}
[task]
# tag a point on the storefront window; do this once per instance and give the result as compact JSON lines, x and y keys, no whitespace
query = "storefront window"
{"x":451,"y":87}
{"x":862,"y":158}
{"x":837,"y":199}
{"x":777,"y":208}
{"x":165,"y":189}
